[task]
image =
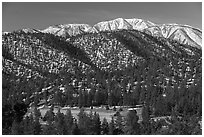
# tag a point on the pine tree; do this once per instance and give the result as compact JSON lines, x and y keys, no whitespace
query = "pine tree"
{"x":104,"y":127}
{"x":69,"y":121}
{"x":119,"y":123}
{"x":58,"y":97}
{"x":90,"y":99}
{"x":132,"y":126}
{"x":97,"y":98}
{"x":20,"y":110}
{"x":37,"y":127}
{"x":7,"y":118}
{"x":36,"y":99}
{"x":110,"y":99}
{"x":125,"y":99}
{"x":59,"y":123}
{"x":84,"y":122}
{"x":37,"y":113}
{"x":81,"y":99}
{"x":45,"y":96}
{"x":17,"y":128}
{"x":75,"y":129}
{"x":112,"y":127}
{"x":85,"y":98}
{"x":49,"y":129}
{"x":90,"y":123}
{"x":68,"y":95}
{"x":49,"y":116}
{"x":160,"y":106}
{"x":146,"y":119}
{"x":97,"y":124}
{"x":28,"y":126}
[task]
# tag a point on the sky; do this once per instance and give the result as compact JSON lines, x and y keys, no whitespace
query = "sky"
{"x":40,"y":15}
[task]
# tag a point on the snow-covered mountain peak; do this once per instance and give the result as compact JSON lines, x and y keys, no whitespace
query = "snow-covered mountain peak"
{"x":139,"y":24}
{"x":29,"y":30}
{"x":74,"y":25}
{"x":115,"y":24}
{"x":183,"y":33}
{"x":67,"y":29}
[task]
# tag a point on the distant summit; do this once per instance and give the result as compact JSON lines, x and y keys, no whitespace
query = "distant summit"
{"x":67,"y":29}
{"x":182,"y":33}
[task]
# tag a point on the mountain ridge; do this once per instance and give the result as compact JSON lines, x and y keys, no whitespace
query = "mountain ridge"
{"x":123,"y":65}
{"x":182,"y":33}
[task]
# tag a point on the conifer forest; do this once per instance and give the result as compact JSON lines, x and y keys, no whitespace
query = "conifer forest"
{"x":121,"y":82}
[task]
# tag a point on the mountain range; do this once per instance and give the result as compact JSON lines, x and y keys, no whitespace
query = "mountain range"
{"x":185,"y":34}
{"x":123,"y":58}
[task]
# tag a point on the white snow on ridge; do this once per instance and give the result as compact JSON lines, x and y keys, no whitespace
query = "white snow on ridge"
{"x":184,"y":33}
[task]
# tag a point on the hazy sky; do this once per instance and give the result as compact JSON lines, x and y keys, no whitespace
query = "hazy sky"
{"x":41,"y":15}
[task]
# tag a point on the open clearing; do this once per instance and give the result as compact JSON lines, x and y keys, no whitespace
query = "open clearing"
{"x":103,"y":113}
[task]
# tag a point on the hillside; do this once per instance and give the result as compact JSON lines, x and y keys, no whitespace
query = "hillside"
{"x":126,"y":59}
{"x":184,"y":34}
{"x":113,"y":68}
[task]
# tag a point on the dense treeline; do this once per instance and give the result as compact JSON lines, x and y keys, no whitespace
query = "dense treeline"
{"x":91,"y":124}
{"x":166,"y":79}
